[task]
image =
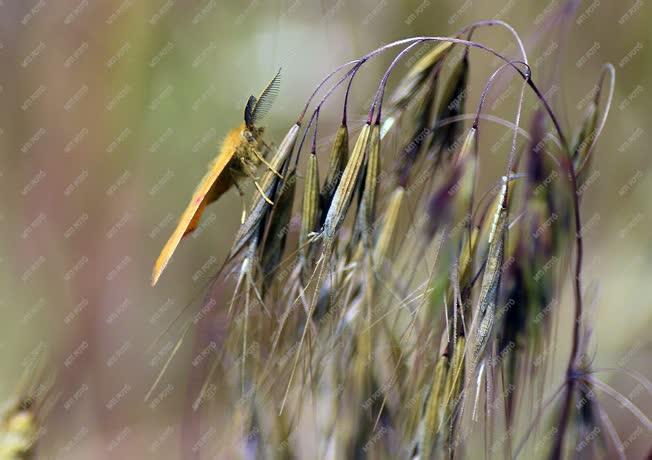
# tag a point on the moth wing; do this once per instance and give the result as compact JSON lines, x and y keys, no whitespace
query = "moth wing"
{"x":208,"y":190}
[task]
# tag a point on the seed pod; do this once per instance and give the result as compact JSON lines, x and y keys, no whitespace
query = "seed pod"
{"x":488,"y":296}
{"x":310,"y":209}
{"x":386,"y":236}
{"x":269,"y":183}
{"x":367,"y":212}
{"x":338,"y":158}
{"x":278,"y":230}
{"x":344,"y":193}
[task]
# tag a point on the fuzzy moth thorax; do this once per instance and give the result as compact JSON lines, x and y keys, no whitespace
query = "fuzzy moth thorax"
{"x":242,"y":137}
{"x":251,"y":134}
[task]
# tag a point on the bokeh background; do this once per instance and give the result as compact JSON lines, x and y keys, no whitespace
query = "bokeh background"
{"x":111,"y":110}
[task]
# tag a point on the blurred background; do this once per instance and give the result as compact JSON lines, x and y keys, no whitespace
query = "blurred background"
{"x":110,"y":112}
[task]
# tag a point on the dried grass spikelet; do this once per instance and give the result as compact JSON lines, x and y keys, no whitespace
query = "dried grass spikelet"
{"x":584,"y":139}
{"x":488,"y":296}
{"x":309,"y":213}
{"x":335,"y":216}
{"x":344,"y":193}
{"x":451,"y":104}
{"x":422,"y":130}
{"x":458,"y":307}
{"x":279,"y":227}
{"x":418,"y":74}
{"x":466,"y":234}
{"x":338,"y":159}
{"x":268,"y":183}
{"x":452,"y":391}
{"x":367,"y":209}
{"x":467,"y":160}
{"x":388,"y":231}
{"x":432,"y":411}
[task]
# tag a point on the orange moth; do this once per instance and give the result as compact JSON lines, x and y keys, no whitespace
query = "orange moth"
{"x":242,"y":152}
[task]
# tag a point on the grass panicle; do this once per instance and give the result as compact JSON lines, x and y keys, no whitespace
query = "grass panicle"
{"x":413,"y":312}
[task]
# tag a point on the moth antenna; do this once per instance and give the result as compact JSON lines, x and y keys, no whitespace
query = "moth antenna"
{"x":266,"y":99}
{"x":248,"y":113}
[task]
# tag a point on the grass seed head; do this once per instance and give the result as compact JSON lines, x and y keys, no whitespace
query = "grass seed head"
{"x":418,"y":74}
{"x":344,"y":193}
{"x":338,"y":159}
{"x":367,"y":211}
{"x":309,"y":212}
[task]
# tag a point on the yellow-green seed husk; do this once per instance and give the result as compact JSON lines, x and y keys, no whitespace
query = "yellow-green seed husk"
{"x":338,"y":159}
{"x":344,"y":193}
{"x":369,"y":194}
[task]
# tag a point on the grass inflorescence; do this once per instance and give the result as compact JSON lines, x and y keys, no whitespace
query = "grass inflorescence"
{"x":406,"y":315}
